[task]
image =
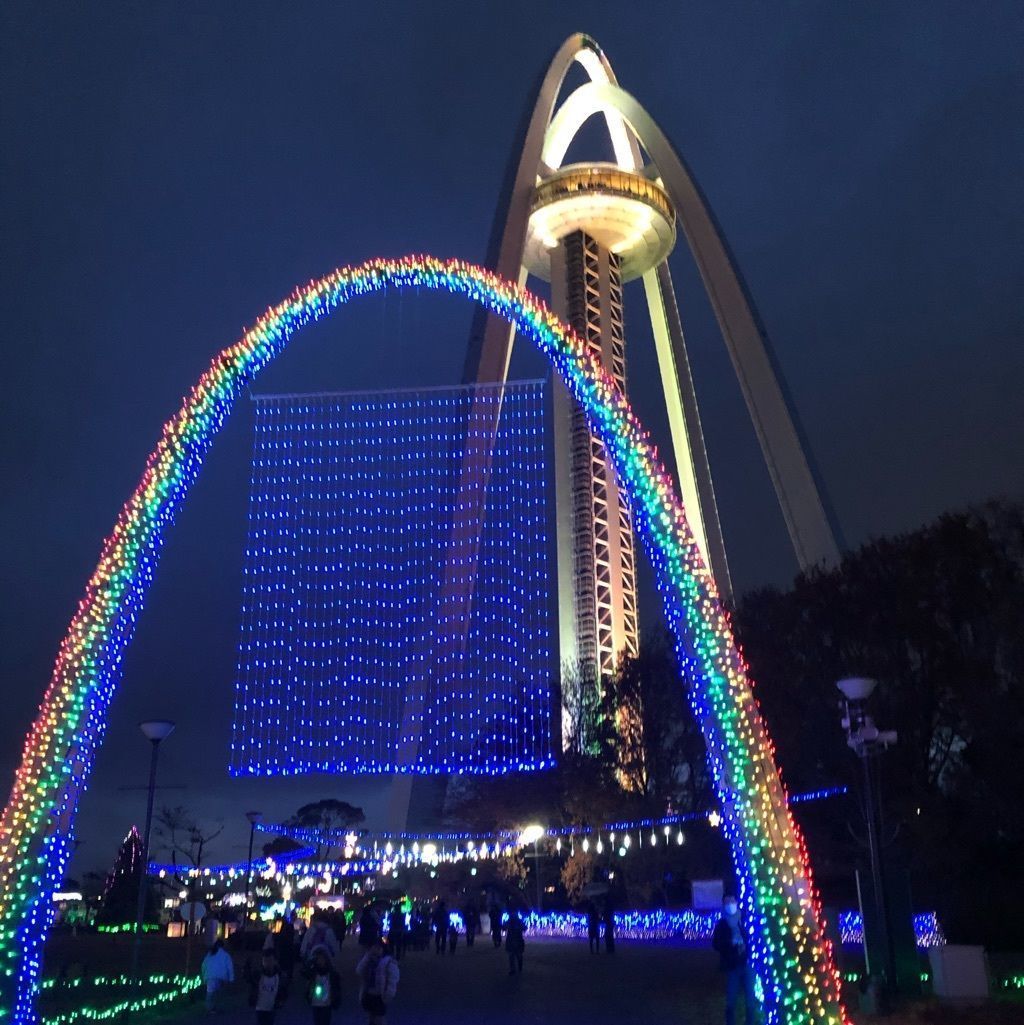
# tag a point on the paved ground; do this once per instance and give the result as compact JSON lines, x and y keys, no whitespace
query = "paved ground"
{"x":561,"y":982}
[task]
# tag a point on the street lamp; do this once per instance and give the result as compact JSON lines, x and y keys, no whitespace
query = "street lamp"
{"x":253,"y":817}
{"x":868,"y":741}
{"x":154,"y":730}
{"x":533,"y":834}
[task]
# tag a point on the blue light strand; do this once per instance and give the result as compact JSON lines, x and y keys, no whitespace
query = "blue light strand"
{"x":309,"y":834}
{"x":258,"y":865}
{"x":350,"y":495}
{"x":690,"y":926}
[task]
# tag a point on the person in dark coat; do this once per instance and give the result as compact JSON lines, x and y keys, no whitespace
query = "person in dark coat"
{"x":729,"y":942}
{"x":609,"y":927}
{"x":495,"y":916}
{"x":398,"y":934}
{"x":285,"y":948}
{"x":369,"y":927}
{"x":594,"y":927}
{"x":440,"y":920}
{"x":339,"y":923}
{"x":515,"y":942}
{"x":471,"y":918}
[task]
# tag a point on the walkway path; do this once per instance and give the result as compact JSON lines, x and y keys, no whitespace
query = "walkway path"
{"x":562,"y":983}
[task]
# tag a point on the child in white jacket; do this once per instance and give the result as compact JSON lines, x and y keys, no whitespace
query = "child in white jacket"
{"x":218,"y":969}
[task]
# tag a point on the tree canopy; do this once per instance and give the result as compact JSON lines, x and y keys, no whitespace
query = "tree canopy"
{"x":935,"y":616}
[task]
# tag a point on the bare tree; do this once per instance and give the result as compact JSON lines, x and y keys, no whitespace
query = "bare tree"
{"x":184,"y":838}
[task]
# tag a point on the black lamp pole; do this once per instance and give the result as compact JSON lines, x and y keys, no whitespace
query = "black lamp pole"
{"x":154,"y":731}
{"x":867,"y":741}
{"x":253,"y":817}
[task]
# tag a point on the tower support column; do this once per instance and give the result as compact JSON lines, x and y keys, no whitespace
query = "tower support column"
{"x":596,"y":555}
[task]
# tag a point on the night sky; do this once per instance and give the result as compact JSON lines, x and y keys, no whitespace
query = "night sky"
{"x":171,"y":169}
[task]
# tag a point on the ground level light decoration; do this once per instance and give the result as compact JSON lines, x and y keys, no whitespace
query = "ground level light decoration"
{"x":786,"y":936}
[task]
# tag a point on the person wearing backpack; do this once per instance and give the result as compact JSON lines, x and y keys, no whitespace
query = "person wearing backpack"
{"x":378,"y":978}
{"x":324,"y":993}
{"x":319,"y":934}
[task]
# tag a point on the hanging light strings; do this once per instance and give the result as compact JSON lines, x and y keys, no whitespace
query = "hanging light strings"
{"x":342,"y":603}
{"x":388,"y":851}
{"x":789,"y":949}
{"x":350,"y":837}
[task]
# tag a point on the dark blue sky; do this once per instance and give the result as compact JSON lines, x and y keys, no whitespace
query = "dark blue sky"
{"x":170,"y":169}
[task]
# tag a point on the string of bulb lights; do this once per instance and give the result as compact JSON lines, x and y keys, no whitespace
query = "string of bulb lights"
{"x":789,"y":949}
{"x":364,"y":839}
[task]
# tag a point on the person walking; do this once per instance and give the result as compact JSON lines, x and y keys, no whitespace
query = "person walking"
{"x":593,"y":927}
{"x":494,"y":912}
{"x":440,"y":921}
{"x":217,"y":970}
{"x":515,"y":942}
{"x":285,"y":947}
{"x":453,"y":934}
{"x":324,"y":992}
{"x":378,"y":978}
{"x":369,"y":927}
{"x":267,"y":989}
{"x":319,"y":934}
{"x":419,"y":929}
{"x":728,"y":941}
{"x":609,"y":927}
{"x":339,"y":926}
{"x":471,"y":919}
{"x":397,"y":932}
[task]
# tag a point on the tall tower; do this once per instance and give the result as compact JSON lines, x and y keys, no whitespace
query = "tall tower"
{"x":588,"y":229}
{"x":593,"y":227}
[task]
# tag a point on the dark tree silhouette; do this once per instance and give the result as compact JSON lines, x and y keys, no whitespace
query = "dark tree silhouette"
{"x":935,"y":615}
{"x":327,"y":816}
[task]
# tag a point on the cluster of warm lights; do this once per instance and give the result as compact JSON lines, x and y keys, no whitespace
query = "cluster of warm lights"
{"x":789,"y":949}
{"x":625,"y":835}
{"x":368,"y":853}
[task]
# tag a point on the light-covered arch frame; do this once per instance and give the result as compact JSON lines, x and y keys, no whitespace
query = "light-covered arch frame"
{"x":786,"y":935}
{"x":547,"y":137}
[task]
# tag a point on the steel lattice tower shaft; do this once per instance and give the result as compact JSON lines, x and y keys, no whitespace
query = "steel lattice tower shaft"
{"x":597,"y":563}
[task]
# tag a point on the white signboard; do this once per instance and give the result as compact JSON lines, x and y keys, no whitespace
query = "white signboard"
{"x":193,"y":912}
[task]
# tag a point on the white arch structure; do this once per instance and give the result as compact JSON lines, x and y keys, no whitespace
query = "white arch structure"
{"x":548,"y":136}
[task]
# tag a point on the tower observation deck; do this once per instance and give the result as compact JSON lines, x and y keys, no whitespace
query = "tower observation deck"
{"x":588,"y":229}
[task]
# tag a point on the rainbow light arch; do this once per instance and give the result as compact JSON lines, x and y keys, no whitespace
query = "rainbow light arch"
{"x":792,"y":957}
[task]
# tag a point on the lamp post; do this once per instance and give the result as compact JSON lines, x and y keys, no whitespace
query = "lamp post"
{"x":154,"y":730}
{"x":533,"y":834}
{"x":253,"y":817}
{"x":867,"y":742}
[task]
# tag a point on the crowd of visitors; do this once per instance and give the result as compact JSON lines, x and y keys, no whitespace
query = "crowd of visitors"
{"x":387,"y":932}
